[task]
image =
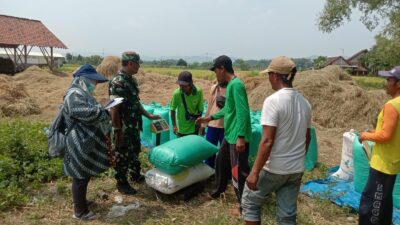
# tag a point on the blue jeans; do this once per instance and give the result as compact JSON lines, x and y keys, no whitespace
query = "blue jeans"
{"x":286,"y":188}
{"x":214,"y":135}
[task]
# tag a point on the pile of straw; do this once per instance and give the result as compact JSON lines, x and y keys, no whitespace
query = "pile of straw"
{"x":15,"y":101}
{"x":335,"y":98}
{"x":109,"y":66}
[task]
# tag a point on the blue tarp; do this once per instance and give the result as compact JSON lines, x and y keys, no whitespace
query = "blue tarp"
{"x":341,"y":193}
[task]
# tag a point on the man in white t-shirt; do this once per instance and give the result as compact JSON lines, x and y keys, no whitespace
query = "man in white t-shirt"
{"x":279,"y":165}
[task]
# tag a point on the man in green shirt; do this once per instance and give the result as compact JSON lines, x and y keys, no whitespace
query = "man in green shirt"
{"x":236,"y":114}
{"x":186,"y":105}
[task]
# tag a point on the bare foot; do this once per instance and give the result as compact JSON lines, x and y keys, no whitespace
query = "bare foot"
{"x":235,"y":212}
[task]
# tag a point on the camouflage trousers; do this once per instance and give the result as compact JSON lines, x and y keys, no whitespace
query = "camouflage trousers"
{"x":127,"y":164}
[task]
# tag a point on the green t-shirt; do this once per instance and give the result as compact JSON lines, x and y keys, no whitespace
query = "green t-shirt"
{"x":236,"y":112}
{"x":194,"y":103}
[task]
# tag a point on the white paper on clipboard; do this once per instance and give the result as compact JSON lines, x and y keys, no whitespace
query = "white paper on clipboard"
{"x":114,"y":102}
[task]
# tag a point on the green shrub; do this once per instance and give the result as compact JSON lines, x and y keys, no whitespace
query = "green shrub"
{"x":68,"y":68}
{"x":24,"y":161}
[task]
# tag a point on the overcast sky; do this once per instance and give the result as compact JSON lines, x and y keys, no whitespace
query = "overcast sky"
{"x":249,"y":29}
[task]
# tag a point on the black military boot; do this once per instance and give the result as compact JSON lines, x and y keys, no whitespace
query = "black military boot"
{"x":125,"y":188}
{"x":138,"y":178}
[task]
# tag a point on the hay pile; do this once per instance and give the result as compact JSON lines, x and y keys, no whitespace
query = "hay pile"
{"x":337,"y":102}
{"x":36,"y":91}
{"x":15,"y":101}
{"x":109,"y":66}
{"x":35,"y":74}
{"x":154,"y":87}
{"x":338,"y":105}
{"x":159,"y":88}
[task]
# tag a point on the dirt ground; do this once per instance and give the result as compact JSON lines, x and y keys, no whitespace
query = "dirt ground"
{"x":156,"y":208}
{"x":338,"y":103}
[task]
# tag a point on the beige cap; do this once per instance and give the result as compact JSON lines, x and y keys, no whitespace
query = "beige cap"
{"x":281,"y":65}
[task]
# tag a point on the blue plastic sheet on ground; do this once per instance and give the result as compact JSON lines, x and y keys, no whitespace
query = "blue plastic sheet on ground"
{"x":341,"y":193}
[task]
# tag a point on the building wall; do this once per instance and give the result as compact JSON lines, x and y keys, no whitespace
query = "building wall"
{"x":39,"y":60}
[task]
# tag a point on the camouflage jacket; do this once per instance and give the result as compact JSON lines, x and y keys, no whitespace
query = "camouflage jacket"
{"x":125,"y":86}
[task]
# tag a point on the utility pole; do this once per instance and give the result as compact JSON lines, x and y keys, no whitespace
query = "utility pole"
{"x":341,"y":60}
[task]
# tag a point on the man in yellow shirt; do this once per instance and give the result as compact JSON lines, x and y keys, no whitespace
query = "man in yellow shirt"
{"x":376,"y":204}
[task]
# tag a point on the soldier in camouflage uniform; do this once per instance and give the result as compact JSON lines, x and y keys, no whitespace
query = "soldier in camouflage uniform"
{"x":127,"y":122}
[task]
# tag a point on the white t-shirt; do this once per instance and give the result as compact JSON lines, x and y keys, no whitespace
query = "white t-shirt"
{"x":290,"y":113}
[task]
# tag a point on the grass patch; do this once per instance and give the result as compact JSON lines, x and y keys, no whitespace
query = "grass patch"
{"x":174,"y":72}
{"x":370,"y":82}
{"x":197,"y":73}
{"x":68,"y":68}
{"x":24,"y":161}
{"x":252,"y":73}
{"x":171,"y":71}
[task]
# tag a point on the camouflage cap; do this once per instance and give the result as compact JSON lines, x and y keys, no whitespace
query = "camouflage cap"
{"x":131,"y":56}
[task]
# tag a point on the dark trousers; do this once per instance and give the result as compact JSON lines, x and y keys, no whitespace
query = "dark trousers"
{"x":79,"y":190}
{"x":230,"y":162}
{"x":127,"y":164}
{"x":376,"y":204}
{"x":214,"y":135}
{"x":127,"y":158}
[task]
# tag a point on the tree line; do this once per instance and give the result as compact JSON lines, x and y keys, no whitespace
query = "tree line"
{"x":239,"y":64}
{"x":94,"y":60}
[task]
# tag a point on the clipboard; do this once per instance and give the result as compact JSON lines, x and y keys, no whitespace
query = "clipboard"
{"x":113,"y":102}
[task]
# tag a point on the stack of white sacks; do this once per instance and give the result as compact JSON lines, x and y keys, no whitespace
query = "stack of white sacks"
{"x":179,"y":163}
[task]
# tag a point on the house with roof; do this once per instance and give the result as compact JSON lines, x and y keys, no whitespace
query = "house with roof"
{"x":355,"y":60}
{"x":338,"y":61}
{"x":19,"y":35}
{"x":352,"y":64}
